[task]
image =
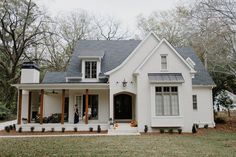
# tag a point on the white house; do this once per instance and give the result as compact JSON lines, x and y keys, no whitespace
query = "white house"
{"x":148,"y":81}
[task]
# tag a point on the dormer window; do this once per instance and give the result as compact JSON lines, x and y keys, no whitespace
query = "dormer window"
{"x":90,"y":69}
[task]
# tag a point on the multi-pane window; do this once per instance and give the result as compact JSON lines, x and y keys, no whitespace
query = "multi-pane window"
{"x":195,"y":102}
{"x":163,"y":62}
{"x":91,"y":69}
{"x":78,"y":101}
{"x":167,"y":103}
{"x":92,"y":106}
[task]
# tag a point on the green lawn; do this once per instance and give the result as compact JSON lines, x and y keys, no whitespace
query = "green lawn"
{"x":209,"y":143}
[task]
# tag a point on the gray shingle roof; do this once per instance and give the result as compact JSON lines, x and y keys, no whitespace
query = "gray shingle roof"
{"x":114,"y":53}
{"x":202,"y":77}
{"x":54,"y":77}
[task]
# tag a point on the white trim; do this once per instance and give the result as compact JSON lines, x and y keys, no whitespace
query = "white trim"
{"x":204,"y":86}
{"x":63,"y":86}
{"x":137,"y":71}
{"x":131,"y":55}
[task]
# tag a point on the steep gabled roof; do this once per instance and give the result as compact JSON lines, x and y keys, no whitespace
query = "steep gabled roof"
{"x":115,"y":52}
{"x":202,"y":76}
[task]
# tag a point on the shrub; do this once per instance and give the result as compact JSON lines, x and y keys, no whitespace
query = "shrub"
{"x":145,"y":128}
{"x":206,"y":126}
{"x":20,"y":129}
{"x":75,"y":129}
{"x":4,"y":112}
{"x":179,"y":130}
{"x":43,"y":129}
{"x":91,"y":129}
{"x":220,"y":120}
{"x":194,"y":129}
{"x":171,"y":131}
{"x":32,"y":129}
{"x":162,"y":131}
{"x":14,"y":126}
{"x":63,"y":129}
{"x":52,"y":130}
{"x":99,"y":129}
{"x":7,"y":128}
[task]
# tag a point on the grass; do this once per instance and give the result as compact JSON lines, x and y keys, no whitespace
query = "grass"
{"x":207,"y":143}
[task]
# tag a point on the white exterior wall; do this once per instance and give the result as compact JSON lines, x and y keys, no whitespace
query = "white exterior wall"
{"x":29,"y":76}
{"x":52,"y":104}
{"x":103,"y":104}
{"x":146,"y":92}
{"x":204,"y":113}
{"x":126,"y":72}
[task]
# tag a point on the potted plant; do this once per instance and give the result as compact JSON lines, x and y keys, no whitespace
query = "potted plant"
{"x":194,"y":129}
{"x":14,"y":126}
{"x":7,"y":128}
{"x":20,"y":129}
{"x":52,"y":130}
{"x":75,"y":129}
{"x":11,"y":127}
{"x":99,"y":129}
{"x":32,"y":129}
{"x":179,"y":130}
{"x":43,"y":129}
{"x":63,"y":129}
{"x":90,"y":129}
{"x":206,"y":126}
{"x":145,"y":128}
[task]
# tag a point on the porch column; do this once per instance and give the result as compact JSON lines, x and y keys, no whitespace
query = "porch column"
{"x":62,"y":105}
{"x":41,"y":106}
{"x":86,"y":107}
{"x":19,"y":106}
{"x":29,"y":106}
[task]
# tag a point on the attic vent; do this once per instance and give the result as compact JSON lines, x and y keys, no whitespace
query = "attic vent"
{"x":190,"y":62}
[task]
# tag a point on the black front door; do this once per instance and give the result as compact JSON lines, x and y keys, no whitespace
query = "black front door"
{"x":123,"y":106}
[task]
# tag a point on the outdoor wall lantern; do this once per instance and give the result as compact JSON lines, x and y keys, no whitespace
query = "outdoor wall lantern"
{"x":124,"y":83}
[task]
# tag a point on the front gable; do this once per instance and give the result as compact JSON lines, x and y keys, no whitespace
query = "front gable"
{"x":164,"y":48}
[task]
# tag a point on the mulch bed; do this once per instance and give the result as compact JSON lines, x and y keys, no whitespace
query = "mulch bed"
{"x":13,"y":133}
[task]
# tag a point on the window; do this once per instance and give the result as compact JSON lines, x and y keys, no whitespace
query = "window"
{"x":91,"y":69}
{"x":167,"y":103}
{"x":164,"y":62}
{"x":78,"y":101}
{"x":195,"y":102}
{"x":92,"y":105}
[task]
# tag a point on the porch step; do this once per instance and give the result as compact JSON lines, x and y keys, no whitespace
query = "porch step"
{"x":123,"y":129}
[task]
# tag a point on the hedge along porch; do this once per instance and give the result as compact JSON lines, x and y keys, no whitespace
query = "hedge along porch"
{"x":53,"y":106}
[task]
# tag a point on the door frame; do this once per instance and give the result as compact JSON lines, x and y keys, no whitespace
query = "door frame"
{"x":132,"y":107}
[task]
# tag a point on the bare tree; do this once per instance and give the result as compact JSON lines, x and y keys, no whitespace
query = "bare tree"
{"x":20,"y":29}
{"x":109,"y":28}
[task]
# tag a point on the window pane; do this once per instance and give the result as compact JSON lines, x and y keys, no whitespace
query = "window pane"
{"x":94,"y":69}
{"x":166,"y":89}
{"x":166,"y":105}
{"x":175,"y":105}
{"x":163,"y":62}
{"x":159,"y":107}
{"x":87,"y":69}
{"x":174,"y":89}
{"x":158,"y":89}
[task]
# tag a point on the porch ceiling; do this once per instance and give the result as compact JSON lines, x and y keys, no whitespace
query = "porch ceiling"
{"x":35,"y":86}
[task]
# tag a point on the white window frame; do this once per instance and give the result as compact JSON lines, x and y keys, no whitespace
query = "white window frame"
{"x":90,"y":70}
{"x":164,"y":69}
{"x":162,"y":93}
{"x":194,"y":102}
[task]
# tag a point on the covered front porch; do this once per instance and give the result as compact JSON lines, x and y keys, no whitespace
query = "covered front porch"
{"x":53,"y":106}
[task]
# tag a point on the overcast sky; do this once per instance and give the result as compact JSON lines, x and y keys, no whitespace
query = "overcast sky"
{"x":124,"y":10}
